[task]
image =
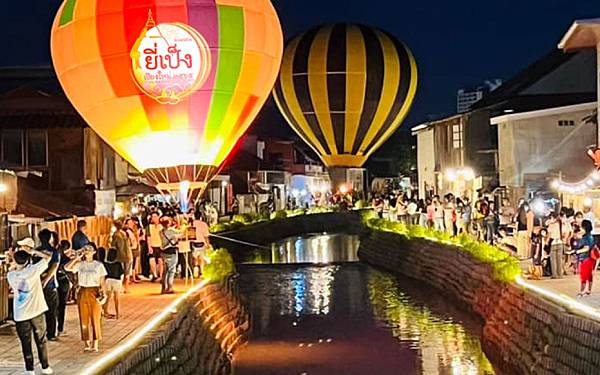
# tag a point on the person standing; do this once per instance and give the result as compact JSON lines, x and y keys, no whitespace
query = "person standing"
{"x":120,"y":242}
{"x":412,"y":211}
{"x":449,"y":214}
{"x":64,"y":284}
{"x":154,"y":241}
{"x":114,"y":283}
{"x":29,"y":306}
{"x":49,"y":282}
{"x":506,"y":214}
{"x":91,"y":275}
{"x":133,"y":240}
{"x":80,"y":238}
{"x":170,"y":239}
{"x":587,"y":263}
{"x":523,"y":240}
{"x":438,"y":214}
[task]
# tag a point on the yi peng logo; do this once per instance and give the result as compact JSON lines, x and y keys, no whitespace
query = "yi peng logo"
{"x":170,"y":61}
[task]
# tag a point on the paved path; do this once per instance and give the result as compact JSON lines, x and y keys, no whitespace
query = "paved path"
{"x":66,"y":355}
{"x":569,"y":286}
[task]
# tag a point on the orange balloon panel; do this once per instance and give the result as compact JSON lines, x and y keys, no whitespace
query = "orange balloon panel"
{"x":168,"y":82}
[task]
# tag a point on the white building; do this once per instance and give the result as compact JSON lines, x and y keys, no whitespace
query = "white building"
{"x":538,"y":146}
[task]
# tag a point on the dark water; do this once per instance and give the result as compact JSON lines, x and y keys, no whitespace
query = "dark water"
{"x":333,"y":315}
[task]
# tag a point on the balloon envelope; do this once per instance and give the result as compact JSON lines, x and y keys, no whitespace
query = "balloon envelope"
{"x":345,"y":89}
{"x":168,"y":83}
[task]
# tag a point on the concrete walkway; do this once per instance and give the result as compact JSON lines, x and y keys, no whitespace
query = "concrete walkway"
{"x":569,"y":287}
{"x":66,"y":355}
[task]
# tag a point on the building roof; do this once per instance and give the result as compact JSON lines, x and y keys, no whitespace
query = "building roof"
{"x":429,"y":124}
{"x":590,"y":107}
{"x":33,"y":98}
{"x":581,"y":34}
{"x":514,"y":87}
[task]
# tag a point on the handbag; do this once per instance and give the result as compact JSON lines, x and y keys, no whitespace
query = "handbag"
{"x":595,"y":252}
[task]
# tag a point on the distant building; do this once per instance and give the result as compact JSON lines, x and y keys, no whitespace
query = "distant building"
{"x":465,"y":98}
{"x":450,"y":147}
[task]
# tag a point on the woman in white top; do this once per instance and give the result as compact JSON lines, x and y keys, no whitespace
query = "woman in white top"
{"x":91,"y":275}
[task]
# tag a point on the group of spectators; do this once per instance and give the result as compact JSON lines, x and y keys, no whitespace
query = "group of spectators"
{"x":528,"y":231}
{"x":46,"y":276}
{"x":449,"y":214}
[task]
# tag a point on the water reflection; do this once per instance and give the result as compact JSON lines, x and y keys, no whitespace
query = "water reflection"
{"x":315,"y":248}
{"x":444,"y":344}
{"x":347,"y":318}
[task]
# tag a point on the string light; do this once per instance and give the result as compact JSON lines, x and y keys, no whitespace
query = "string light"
{"x":590,"y":182}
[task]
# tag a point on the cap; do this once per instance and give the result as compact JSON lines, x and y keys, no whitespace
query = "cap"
{"x":28,"y":241}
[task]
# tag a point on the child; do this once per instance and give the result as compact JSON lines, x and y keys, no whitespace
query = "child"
{"x":114,"y":282}
{"x":586,"y":268}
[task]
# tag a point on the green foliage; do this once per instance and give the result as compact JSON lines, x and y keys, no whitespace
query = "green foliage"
{"x":290,"y":213}
{"x":360,"y":204}
{"x":219,"y":265}
{"x":505,"y":266}
{"x":281,"y":214}
{"x":243,"y":218}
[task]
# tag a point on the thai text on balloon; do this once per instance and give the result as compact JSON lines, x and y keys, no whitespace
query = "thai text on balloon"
{"x":170,"y":85}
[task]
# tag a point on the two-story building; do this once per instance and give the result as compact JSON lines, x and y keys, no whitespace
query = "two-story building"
{"x":56,"y":164}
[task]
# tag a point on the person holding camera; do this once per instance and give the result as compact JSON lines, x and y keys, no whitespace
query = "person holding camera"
{"x":91,"y":274}
{"x":170,"y":237}
{"x":29,"y":305}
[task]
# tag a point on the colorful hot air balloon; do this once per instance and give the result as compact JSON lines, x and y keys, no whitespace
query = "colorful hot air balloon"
{"x":171,"y":85}
{"x":345,"y":89}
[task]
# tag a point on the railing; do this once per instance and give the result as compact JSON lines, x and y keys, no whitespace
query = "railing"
{"x":4,"y":311}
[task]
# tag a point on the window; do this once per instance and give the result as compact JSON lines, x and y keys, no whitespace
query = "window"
{"x":566,"y":123}
{"x":457,"y":136}
{"x":24,"y":148}
{"x":36,"y":148}
{"x":12,"y":148}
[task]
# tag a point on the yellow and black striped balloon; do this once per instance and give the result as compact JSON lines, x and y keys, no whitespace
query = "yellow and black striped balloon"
{"x":345,"y":89}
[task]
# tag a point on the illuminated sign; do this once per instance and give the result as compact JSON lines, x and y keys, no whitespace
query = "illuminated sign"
{"x":170,"y":61}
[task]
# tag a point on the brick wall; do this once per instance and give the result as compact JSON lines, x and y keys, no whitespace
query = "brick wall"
{"x":522,"y":332}
{"x":200,"y":338}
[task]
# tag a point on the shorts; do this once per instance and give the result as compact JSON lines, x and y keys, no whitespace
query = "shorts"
{"x":155,"y":253}
{"x":113,"y":285}
{"x":127,"y":268}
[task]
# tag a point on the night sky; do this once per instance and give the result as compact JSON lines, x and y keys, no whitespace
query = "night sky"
{"x":456,"y":43}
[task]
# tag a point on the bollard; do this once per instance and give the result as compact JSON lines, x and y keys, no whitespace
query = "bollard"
{"x":556,"y":259}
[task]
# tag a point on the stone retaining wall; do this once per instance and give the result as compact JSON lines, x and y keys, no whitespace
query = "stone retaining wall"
{"x":199,"y":338}
{"x":523,"y":333}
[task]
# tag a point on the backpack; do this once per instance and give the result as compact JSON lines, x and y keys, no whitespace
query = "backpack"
{"x":595,"y":252}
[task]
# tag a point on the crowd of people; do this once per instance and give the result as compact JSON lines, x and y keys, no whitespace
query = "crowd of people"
{"x":47,"y":275}
{"x":529,"y":230}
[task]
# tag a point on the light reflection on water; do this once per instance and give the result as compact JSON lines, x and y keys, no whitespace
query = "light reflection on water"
{"x":348,"y":318}
{"x":315,"y":248}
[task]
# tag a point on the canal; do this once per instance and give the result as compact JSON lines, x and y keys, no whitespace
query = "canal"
{"x":316,"y":309}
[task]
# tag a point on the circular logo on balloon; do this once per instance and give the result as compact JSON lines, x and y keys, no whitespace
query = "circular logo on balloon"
{"x":170,"y":61}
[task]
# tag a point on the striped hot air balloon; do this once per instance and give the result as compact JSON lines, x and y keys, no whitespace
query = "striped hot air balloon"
{"x":345,"y":89}
{"x":171,"y":85}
